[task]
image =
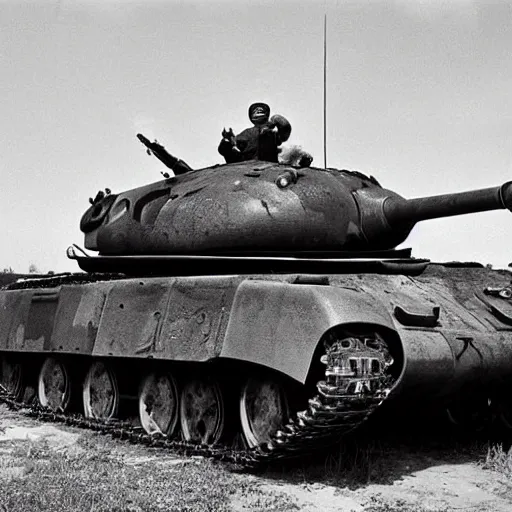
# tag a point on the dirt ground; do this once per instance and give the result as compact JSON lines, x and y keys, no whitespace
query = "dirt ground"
{"x":43,"y":466}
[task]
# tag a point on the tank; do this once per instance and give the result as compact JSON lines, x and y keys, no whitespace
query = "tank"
{"x":261,"y":305}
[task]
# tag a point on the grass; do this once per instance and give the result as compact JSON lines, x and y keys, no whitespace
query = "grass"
{"x":95,"y":479}
{"x":500,"y":460}
{"x":379,"y":504}
{"x":99,"y":475}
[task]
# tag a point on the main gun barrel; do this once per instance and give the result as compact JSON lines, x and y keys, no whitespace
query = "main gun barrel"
{"x":387,"y":218}
{"x":447,"y":205}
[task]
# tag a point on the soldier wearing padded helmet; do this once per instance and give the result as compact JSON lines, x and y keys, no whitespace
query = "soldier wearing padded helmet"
{"x":261,"y":141}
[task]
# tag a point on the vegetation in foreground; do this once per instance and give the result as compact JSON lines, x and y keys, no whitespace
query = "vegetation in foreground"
{"x":94,"y":479}
{"x":499,"y":459}
{"x":99,"y":475}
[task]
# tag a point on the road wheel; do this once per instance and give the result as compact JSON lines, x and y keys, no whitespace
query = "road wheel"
{"x":100,"y":392}
{"x":263,"y":409}
{"x":11,"y":377}
{"x":202,"y":411}
{"x":158,"y":404}
{"x":53,"y":386}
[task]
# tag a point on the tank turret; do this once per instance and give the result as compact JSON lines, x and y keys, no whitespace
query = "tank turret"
{"x":255,"y":207}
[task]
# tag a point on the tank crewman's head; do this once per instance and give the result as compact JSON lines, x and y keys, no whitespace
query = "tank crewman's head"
{"x":259,"y":113}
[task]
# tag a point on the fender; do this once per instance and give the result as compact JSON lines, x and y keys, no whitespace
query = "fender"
{"x":58,"y":319}
{"x":279,"y":325}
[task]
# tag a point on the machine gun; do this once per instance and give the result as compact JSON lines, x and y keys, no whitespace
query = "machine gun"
{"x":176,"y":165}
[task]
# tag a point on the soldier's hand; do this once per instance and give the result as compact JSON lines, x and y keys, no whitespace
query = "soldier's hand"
{"x":269,"y":128}
{"x":228,"y":134}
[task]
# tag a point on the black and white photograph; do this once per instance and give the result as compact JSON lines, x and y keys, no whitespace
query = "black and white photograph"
{"x":256,"y":255}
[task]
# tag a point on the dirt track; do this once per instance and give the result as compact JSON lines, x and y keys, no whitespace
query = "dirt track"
{"x":52,"y":467}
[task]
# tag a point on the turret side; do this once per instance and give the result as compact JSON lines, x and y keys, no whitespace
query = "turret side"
{"x":250,"y":206}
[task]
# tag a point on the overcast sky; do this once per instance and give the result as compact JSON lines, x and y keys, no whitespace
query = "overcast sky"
{"x":419,"y":95}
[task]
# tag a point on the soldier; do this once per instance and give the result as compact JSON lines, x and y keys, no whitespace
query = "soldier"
{"x":261,"y":141}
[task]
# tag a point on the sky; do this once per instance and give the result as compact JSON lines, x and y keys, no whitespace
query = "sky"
{"x":418,"y":95}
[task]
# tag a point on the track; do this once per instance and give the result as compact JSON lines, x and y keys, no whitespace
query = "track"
{"x":356,"y":382}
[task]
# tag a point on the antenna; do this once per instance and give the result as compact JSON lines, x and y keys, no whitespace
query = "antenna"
{"x":325,"y":91}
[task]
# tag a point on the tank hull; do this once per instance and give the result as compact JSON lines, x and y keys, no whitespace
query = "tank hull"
{"x":445,"y":340}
